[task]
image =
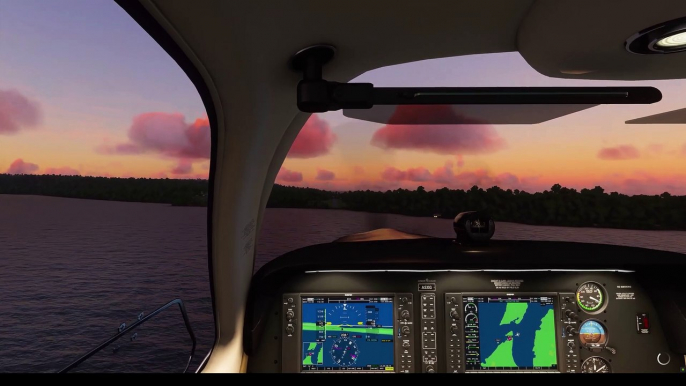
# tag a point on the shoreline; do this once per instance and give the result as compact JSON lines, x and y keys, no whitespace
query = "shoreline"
{"x":496,"y":221}
{"x":354,"y":211}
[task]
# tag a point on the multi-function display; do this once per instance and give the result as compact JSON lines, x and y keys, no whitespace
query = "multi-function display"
{"x":347,"y":333}
{"x":509,"y":333}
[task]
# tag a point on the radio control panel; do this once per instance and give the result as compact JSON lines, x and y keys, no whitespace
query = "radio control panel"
{"x":455,"y":335}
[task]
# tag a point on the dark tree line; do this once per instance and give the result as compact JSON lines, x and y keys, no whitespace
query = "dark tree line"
{"x":557,"y":206}
{"x":174,"y":192}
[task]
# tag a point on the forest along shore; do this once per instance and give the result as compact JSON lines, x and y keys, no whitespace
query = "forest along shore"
{"x":558,"y":206}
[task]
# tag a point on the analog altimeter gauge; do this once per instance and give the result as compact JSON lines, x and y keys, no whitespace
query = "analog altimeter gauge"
{"x":596,"y":365}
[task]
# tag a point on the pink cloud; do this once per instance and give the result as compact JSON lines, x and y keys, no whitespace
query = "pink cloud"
{"x":445,"y":176}
{"x":185,"y":166}
{"x":466,"y":180}
{"x":286,"y":175}
{"x":482,"y":179}
{"x":393,"y":174}
{"x":683,"y":150}
{"x":164,"y":134}
{"x":359,"y":170}
{"x":314,"y":139}
{"x":18,"y":166}
{"x":507,"y":179}
{"x":622,"y":152}
{"x":120,"y":148}
{"x":655,"y":149}
{"x":325,"y":175}
{"x":469,"y":137}
{"x":460,"y":161}
{"x":17,"y":112}
{"x":418,"y":174}
{"x":63,"y":171}
{"x":644,"y":183}
{"x":411,"y":174}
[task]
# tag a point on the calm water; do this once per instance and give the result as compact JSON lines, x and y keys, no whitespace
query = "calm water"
{"x":71,"y":271}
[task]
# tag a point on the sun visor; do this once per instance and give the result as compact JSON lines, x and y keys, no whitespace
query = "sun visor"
{"x":464,"y":114}
{"x":674,"y":117}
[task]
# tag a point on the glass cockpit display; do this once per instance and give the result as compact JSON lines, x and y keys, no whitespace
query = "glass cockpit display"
{"x":347,"y":333}
{"x":509,"y":333}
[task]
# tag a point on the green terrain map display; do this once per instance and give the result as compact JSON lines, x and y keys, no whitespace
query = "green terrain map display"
{"x":517,"y":335}
{"x":313,"y":350}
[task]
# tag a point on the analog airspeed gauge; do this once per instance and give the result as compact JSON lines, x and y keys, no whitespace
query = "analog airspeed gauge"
{"x":591,"y":297}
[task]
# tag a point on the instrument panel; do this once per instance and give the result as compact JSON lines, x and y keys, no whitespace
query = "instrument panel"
{"x":465,"y":322}
{"x":440,"y":306}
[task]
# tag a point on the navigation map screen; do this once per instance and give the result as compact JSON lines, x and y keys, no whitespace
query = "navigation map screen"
{"x":509,"y":333}
{"x":345,"y":333}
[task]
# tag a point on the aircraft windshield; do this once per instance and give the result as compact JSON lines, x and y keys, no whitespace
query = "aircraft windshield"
{"x":587,"y":176}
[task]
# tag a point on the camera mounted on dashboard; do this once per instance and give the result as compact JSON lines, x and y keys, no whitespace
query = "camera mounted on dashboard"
{"x":475,"y":227}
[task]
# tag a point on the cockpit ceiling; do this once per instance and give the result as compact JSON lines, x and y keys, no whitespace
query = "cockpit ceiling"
{"x":584,"y":39}
{"x":569,"y":39}
{"x":367,"y":34}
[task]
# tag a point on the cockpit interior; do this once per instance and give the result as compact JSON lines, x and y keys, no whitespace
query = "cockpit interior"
{"x":374,"y":303}
{"x":401,"y":301}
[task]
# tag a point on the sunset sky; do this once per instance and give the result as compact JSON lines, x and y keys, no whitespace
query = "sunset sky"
{"x":84,"y":90}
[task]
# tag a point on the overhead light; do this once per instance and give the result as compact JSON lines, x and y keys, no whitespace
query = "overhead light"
{"x":665,"y":38}
{"x":676,"y":40}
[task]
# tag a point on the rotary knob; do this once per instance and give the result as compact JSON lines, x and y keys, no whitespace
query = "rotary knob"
{"x":290,"y":315}
{"x":571,"y":331}
{"x":454,"y":329}
{"x":405,"y":314}
{"x":663,"y":358}
{"x":405,"y":330}
{"x":290,"y":329}
{"x":454,"y":315}
{"x":430,"y":369}
{"x":453,"y":300}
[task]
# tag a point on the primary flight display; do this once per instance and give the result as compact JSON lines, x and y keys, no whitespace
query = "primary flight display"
{"x":347,"y":333}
